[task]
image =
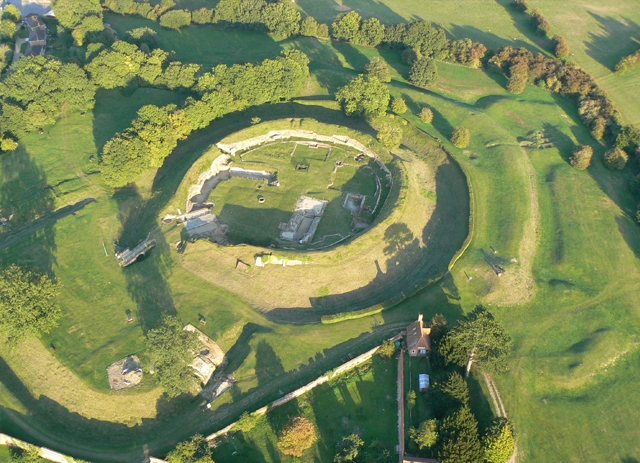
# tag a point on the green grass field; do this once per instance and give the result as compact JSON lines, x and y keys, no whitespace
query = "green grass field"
{"x":255,"y":223}
{"x":337,"y":408}
{"x":566,"y":238}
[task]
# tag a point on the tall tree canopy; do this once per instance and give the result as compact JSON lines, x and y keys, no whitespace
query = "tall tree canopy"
{"x":171,"y":353}
{"x":26,"y":304}
{"x":364,"y":96}
{"x":80,"y":16}
{"x":459,"y":438}
{"x":36,"y":89}
{"x":195,"y":450}
{"x":478,"y":339}
{"x":297,"y":436}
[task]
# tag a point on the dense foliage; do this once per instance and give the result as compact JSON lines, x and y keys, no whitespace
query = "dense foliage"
{"x":426,"y":115}
{"x":424,"y":73}
{"x":628,"y":62}
{"x":539,"y":22}
{"x":364,"y":96}
{"x":36,"y":90}
{"x":175,"y":19}
{"x":461,"y":137}
{"x":281,"y":19}
{"x":170,"y":350}
{"x":156,"y":131}
{"x":390,"y":136}
{"x":616,"y":159}
{"x":426,"y":435}
{"x":596,"y":110}
{"x":561,"y":47}
{"x":459,"y":438}
{"x":387,"y":349}
{"x":26,"y":304}
{"x":479,"y":339}
{"x":581,"y":157}
{"x":297,"y":436}
{"x":377,"y":67}
{"x":348,"y":449}
{"x":195,"y":450}
{"x":82,"y":17}
{"x":351,"y":28}
{"x":399,"y":106}
{"x":498,"y":442}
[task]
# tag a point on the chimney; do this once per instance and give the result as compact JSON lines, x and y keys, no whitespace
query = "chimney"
{"x":419,"y":317}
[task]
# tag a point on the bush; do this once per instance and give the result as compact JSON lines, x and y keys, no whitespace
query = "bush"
{"x":348,"y":449}
{"x":426,"y":115}
{"x":175,"y":19}
{"x":297,"y":436}
{"x":203,"y":16}
{"x":426,"y":435}
{"x":461,"y":137}
{"x":628,"y":62}
{"x":412,"y":397}
{"x":387,"y":349}
{"x":424,"y":73}
{"x":581,"y":157}
{"x":561,"y":47}
{"x":539,"y":22}
{"x":399,"y":106}
{"x":247,"y":422}
{"x":11,"y":13}
{"x":367,"y":97}
{"x":616,"y":159}
{"x":377,"y":67}
{"x":309,"y":27}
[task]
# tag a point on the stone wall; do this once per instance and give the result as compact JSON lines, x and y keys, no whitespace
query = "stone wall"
{"x":275,"y":135}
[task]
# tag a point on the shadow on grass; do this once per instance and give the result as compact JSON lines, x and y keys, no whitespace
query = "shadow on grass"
{"x":352,"y":55}
{"x":27,"y":201}
{"x":522,"y":22}
{"x":614,"y":40}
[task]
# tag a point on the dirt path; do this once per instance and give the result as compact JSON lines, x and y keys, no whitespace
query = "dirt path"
{"x":401,"y":438}
{"x":498,"y":404}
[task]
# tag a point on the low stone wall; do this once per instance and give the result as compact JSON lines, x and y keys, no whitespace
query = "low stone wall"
{"x":45,"y":453}
{"x":275,"y":135}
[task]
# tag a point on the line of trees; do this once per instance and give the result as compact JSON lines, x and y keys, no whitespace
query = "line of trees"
{"x":156,"y":131}
{"x":477,"y":341}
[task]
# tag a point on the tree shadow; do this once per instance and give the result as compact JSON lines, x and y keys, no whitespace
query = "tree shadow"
{"x":352,"y":55}
{"x":366,"y":8}
{"x":522,"y":22}
{"x":27,"y":203}
{"x":630,"y":231}
{"x":615,"y":39}
{"x":147,"y":277}
{"x":561,"y":141}
{"x":492,"y":41}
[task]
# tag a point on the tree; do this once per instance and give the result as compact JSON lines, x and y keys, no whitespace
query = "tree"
{"x":171,"y":350}
{"x":426,"y":435}
{"x":424,"y":73}
{"x":203,"y":16}
{"x":26,"y":304}
{"x":390,"y":136}
{"x":399,"y":106}
{"x":459,"y":437}
{"x":143,"y":36}
{"x":521,"y":5}
{"x":348,"y":449}
{"x":581,"y":157}
{"x":539,"y":22}
{"x":426,"y":115}
{"x":80,"y":16}
{"x":195,"y":450}
{"x":175,"y":19}
{"x":6,"y":54}
{"x":371,"y":33}
{"x":282,"y":19}
{"x":247,"y":422}
{"x":429,"y":40}
{"x":377,"y":67}
{"x":519,"y":75}
{"x":11,"y":13}
{"x":498,"y":443}
{"x":412,"y":397}
{"x":561,"y":47}
{"x":456,"y":389}
{"x":7,"y":31}
{"x":387,"y":349}
{"x":309,"y":27}
{"x":616,"y":159}
{"x":346,"y":26}
{"x":478,"y":339}
{"x":297,"y":436}
{"x":367,"y":97}
{"x":461,"y":137}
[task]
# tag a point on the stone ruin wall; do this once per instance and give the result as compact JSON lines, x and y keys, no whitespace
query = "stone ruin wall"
{"x":275,"y":135}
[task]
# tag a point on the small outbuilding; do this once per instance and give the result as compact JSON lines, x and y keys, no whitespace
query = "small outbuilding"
{"x":418,"y":338}
{"x":423,"y":381}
